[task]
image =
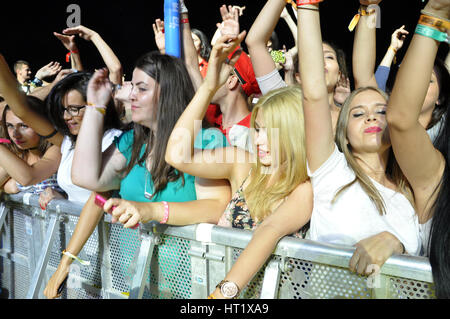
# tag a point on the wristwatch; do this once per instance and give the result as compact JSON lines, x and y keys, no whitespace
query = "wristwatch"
{"x":228,"y":289}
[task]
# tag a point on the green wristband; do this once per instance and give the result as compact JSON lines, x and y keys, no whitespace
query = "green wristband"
{"x":432,"y":33}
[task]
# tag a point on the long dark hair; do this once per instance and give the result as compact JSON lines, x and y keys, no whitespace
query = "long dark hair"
{"x":37,"y":106}
{"x":176,"y":91}
{"x":76,"y":81}
{"x":205,"y":50}
{"x":439,"y":244}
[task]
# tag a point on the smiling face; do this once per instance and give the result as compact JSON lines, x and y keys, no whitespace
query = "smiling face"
{"x":23,"y":136}
{"x":144,"y":99}
{"x":367,"y":126}
{"x":74,"y":105}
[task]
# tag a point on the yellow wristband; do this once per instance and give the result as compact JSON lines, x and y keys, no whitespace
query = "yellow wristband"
{"x":81,"y":261}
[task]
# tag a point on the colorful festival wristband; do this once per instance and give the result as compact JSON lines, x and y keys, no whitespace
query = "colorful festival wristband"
{"x":305,"y":2}
{"x":355,"y":20}
{"x":99,"y":108}
{"x":432,"y":33}
{"x":4,"y":141}
{"x":433,"y":22}
{"x":184,"y":21}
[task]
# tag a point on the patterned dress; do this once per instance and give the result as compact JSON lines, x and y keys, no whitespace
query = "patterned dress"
{"x":237,"y":215}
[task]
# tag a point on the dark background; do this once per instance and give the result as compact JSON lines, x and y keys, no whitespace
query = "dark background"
{"x":27,"y":28}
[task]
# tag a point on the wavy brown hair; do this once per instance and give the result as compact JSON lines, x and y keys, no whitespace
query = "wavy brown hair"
{"x":176,"y":91}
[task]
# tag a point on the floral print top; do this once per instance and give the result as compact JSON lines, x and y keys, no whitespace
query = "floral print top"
{"x":237,"y":215}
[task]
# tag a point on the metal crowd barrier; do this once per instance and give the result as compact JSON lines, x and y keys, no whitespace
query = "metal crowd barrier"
{"x":161,"y":262}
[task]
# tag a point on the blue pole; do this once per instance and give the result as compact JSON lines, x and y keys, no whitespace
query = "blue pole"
{"x":172,"y":27}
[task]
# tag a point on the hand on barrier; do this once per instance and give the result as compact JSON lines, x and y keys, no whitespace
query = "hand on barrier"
{"x":57,"y":282}
{"x":126,"y":212}
{"x":47,"y":196}
{"x":374,"y":250}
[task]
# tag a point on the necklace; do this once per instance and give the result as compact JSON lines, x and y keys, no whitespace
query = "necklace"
{"x":147,"y":194}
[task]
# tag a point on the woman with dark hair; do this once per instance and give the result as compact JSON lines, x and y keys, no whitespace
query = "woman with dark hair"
{"x":28,"y":159}
{"x":424,"y":163}
{"x":135,"y":164}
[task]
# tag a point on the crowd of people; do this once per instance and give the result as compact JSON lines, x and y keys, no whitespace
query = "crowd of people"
{"x":279,"y":142}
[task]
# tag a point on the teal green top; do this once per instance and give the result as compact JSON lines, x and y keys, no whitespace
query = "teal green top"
{"x":132,"y":187}
{"x":210,"y":138}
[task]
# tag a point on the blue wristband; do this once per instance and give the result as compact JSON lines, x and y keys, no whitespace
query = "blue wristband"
{"x":432,"y":33}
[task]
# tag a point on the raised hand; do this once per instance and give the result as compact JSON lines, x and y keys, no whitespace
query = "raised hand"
{"x":398,"y":38}
{"x":48,"y":70}
{"x":240,"y":10}
{"x":82,"y":31}
{"x":67,"y":40}
{"x":158,"y":30}
{"x":99,"y":88}
{"x":230,"y":18}
{"x":220,"y":67}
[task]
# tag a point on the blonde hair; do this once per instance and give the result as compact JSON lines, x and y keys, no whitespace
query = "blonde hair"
{"x":283,"y":111}
{"x":392,"y":169}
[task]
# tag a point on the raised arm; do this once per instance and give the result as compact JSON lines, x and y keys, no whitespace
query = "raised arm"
{"x":190,"y":56}
{"x":18,"y":104}
{"x":205,"y":164}
{"x":409,"y":138}
{"x":69,"y":43}
{"x":287,"y":219}
{"x":318,"y":122}
{"x":260,"y":33}
{"x":91,"y":168}
{"x":26,"y":174}
{"x":364,"y":47}
{"x":112,"y":62}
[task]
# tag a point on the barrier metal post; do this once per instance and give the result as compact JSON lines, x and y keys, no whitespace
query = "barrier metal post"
{"x":3,"y":212}
{"x":41,"y":266}
{"x":142,"y":266}
{"x":271,"y":280}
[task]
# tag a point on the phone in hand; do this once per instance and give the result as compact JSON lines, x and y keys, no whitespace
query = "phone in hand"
{"x":100,"y":202}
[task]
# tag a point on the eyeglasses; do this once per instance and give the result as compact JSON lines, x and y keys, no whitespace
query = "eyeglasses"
{"x":74,"y":110}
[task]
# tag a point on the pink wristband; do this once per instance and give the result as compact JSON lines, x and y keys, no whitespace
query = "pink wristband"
{"x":304,"y":2}
{"x":4,"y":141}
{"x":166,"y":213}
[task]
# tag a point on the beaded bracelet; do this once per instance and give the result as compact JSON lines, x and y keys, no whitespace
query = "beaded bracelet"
{"x":166,"y":213}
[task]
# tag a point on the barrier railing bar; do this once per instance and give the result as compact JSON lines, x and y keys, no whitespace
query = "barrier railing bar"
{"x":417,"y":268}
{"x":36,"y":280}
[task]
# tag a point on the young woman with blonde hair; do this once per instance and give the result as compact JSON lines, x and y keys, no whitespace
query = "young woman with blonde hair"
{"x":267,"y":192}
